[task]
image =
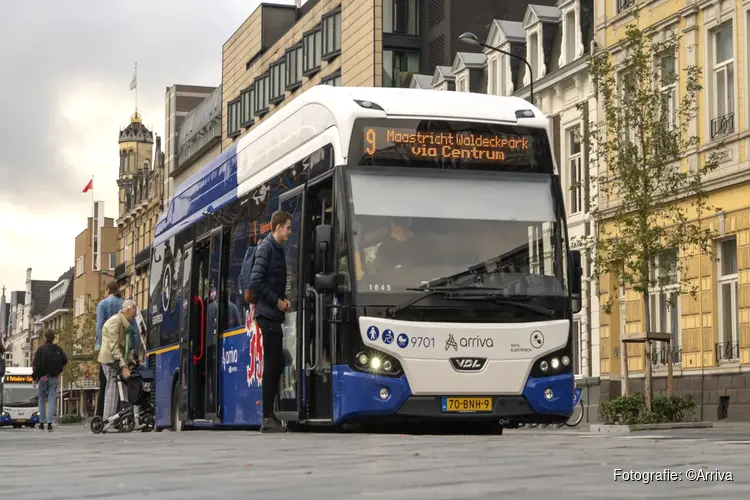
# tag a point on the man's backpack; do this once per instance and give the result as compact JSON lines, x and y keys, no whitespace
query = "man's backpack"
{"x":247,"y":270}
{"x":54,"y":360}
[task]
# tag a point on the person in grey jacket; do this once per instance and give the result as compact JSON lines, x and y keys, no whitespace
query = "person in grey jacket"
{"x":268,"y":281}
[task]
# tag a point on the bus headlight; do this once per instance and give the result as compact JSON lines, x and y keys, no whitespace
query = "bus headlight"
{"x":554,"y":363}
{"x":376,"y":362}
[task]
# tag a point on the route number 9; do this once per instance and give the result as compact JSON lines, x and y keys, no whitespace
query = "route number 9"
{"x":370,"y":139}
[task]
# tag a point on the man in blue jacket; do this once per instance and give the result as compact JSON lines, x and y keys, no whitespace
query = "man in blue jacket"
{"x":268,"y":281}
{"x":105,"y":310}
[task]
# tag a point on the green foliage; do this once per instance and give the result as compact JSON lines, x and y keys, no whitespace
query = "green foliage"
{"x":78,"y":339}
{"x":69,"y":419}
{"x":646,"y":158}
{"x":631,"y":410}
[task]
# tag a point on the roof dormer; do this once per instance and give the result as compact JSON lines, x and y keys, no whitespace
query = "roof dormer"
{"x":443,"y":79}
{"x":540,"y":23}
{"x":572,"y":37}
{"x":468,"y":68}
{"x":420,"y":81}
{"x":502,"y":70}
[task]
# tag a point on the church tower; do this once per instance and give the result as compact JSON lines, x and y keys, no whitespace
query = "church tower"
{"x":140,"y":200}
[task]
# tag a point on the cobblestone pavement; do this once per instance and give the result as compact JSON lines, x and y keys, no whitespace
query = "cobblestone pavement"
{"x":72,"y":463}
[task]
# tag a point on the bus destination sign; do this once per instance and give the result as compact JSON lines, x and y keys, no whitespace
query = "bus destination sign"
{"x":18,"y":379}
{"x":467,"y":146}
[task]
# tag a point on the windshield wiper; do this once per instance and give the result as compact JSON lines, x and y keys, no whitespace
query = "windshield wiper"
{"x":484,"y":293}
{"x":428,"y":292}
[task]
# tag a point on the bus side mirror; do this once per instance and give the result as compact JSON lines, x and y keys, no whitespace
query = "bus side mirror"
{"x":575,"y":272}
{"x":326,"y":282}
{"x":323,"y":249}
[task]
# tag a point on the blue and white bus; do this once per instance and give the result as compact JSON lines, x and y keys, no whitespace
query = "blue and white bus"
{"x":429,"y":269}
{"x":20,"y":401}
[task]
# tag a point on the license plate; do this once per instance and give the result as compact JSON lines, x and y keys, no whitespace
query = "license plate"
{"x":467,"y":405}
{"x":21,"y":420}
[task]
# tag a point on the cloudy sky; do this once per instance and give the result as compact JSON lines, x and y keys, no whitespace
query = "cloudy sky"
{"x":65,"y":95}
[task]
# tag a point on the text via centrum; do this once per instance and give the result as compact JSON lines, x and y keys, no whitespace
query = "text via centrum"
{"x":669,"y":475}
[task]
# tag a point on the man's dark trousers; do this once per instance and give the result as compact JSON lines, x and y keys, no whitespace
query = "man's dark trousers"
{"x":273,"y":361}
{"x":102,"y":387}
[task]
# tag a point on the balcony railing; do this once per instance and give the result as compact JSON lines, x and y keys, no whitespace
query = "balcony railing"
{"x":722,"y":125}
{"x":727,"y":351}
{"x":120,"y":271}
{"x":624,"y":4}
{"x":660,"y":355}
{"x":143,"y":258}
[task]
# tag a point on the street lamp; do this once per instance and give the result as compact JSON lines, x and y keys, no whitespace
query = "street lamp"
{"x":472,"y":39}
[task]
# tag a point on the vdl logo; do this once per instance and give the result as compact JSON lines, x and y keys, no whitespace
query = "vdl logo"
{"x":468,"y":364}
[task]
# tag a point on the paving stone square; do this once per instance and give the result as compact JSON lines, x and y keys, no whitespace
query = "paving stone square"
{"x":72,"y":463}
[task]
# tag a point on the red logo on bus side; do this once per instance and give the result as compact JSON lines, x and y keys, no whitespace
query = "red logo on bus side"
{"x":255,"y":368}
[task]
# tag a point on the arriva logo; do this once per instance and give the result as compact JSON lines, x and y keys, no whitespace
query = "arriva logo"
{"x":229,"y":358}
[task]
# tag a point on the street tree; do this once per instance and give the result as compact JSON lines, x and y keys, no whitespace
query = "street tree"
{"x":649,"y":181}
{"x":78,"y":339}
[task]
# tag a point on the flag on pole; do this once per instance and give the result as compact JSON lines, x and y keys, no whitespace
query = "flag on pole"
{"x":89,"y":186}
{"x":134,"y":81}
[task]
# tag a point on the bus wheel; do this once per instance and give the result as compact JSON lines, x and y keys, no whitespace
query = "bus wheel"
{"x":177,"y":423}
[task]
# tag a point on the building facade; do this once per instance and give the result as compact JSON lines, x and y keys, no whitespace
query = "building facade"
{"x":141,"y":194}
{"x":711,"y":332}
{"x":25,"y":310}
{"x":59,"y":311}
{"x":179,"y":102}
{"x":280,"y":50}
{"x":96,"y":249}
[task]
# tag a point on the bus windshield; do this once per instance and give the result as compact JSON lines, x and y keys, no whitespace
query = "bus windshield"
{"x":19,"y":397}
{"x":422,"y":228}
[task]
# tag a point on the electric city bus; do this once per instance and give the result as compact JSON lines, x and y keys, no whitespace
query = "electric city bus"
{"x":20,"y":403}
{"x":429,"y":270}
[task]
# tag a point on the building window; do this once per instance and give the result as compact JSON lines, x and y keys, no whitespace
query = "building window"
{"x":234,"y":109}
{"x":294,"y":60}
{"x":575,"y":170}
{"x":729,"y":323}
{"x":334,"y":79}
{"x":79,"y":266}
{"x":247,"y":108}
{"x":262,"y":94}
{"x":397,"y":66}
{"x":312,"y":51}
{"x":722,"y":121}
{"x":278,"y":81}
{"x":668,"y":87}
{"x":664,"y":304}
{"x":112,"y":261}
{"x":623,"y":5}
{"x":570,"y":36}
{"x":401,"y":17}
{"x":332,"y":35}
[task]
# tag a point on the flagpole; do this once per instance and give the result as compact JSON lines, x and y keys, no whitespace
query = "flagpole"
{"x":136,"y":86}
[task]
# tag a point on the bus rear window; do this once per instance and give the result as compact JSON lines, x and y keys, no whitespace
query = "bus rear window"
{"x":450,"y":145}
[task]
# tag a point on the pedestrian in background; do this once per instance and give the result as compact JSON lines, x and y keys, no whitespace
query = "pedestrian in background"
{"x":107,"y":308}
{"x":49,"y":362}
{"x":112,"y":355}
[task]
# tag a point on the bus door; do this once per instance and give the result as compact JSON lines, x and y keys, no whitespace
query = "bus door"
{"x":215,"y":315}
{"x":186,"y":342}
{"x":319,"y":339}
{"x":199,"y":372}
